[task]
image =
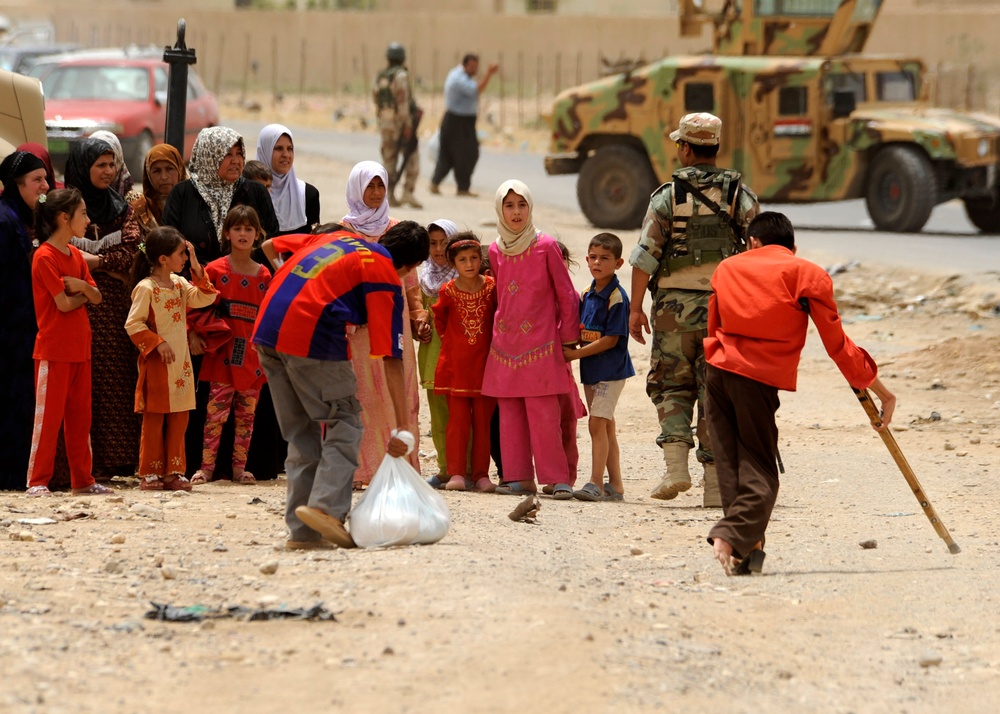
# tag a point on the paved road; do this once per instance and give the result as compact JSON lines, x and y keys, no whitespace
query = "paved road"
{"x":949,"y":243}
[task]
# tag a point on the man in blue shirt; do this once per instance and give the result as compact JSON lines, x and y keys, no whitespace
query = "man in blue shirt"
{"x":459,"y":145}
{"x":604,"y":363}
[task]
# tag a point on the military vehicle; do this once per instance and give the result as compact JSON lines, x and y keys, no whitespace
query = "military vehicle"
{"x":806,"y":118}
{"x":22,"y":112}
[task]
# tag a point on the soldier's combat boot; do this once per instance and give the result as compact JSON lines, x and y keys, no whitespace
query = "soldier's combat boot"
{"x":711,"y":497}
{"x":408,"y":199}
{"x":676,"y":478}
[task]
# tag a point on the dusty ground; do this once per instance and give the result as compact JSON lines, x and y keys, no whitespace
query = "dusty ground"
{"x":601,"y":607}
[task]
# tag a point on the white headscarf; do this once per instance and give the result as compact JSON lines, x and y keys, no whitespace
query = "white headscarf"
{"x":371,"y":222}
{"x":509,"y":242}
{"x":288,"y":194}
{"x":432,"y":275}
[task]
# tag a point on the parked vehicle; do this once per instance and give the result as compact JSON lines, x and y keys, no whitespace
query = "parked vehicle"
{"x":22,"y":112}
{"x":804,"y":120}
{"x":21,"y":58}
{"x":124,"y":92}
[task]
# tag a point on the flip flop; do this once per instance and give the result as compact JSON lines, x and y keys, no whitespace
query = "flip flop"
{"x":589,"y":492}
{"x":612,"y":495}
{"x":562,"y":492}
{"x":514,"y":488}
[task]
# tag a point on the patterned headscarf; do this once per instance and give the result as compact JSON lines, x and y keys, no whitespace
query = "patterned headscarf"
{"x":161,"y":152}
{"x":432,"y":275}
{"x":42,"y":153}
{"x":288,"y":194}
{"x":103,"y":204}
{"x":12,"y":168}
{"x":371,"y":222}
{"x":210,"y":148}
{"x":509,"y":242}
{"x":123,"y":180}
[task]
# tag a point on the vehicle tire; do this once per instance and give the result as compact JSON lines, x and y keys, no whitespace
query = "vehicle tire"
{"x":137,"y":158}
{"x":614,"y":187}
{"x":984,"y":214}
{"x":902,"y":189}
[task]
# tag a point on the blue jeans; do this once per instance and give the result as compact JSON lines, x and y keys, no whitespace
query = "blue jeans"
{"x":320,"y":418}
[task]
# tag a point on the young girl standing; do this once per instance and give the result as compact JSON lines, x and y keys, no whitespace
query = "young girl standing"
{"x":157,"y":324}
{"x":434,"y":273}
{"x":61,"y":287}
{"x":538,"y":312}
{"x":234,"y":371}
{"x":464,"y":318}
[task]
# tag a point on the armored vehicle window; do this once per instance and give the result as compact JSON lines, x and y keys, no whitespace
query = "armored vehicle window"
{"x":792,"y":101}
{"x":699,"y":97}
{"x":895,"y":87}
{"x":849,"y":81}
{"x":801,"y":8}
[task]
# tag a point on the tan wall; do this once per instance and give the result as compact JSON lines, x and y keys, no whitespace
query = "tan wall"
{"x":322,"y":50}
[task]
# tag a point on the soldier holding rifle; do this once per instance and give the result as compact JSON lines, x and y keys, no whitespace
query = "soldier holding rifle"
{"x":398,"y":119}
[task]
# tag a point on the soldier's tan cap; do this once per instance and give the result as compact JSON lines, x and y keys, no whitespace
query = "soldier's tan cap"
{"x":701,"y":128}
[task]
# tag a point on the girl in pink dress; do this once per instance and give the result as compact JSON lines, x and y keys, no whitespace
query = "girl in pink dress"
{"x":234,"y":370}
{"x":463,"y":314}
{"x":368,"y":216}
{"x":538,"y":312}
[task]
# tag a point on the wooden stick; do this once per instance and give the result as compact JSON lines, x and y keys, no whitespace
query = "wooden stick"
{"x":911,"y":478}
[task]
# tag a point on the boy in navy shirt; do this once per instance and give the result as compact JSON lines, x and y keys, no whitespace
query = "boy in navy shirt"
{"x":604,"y":363}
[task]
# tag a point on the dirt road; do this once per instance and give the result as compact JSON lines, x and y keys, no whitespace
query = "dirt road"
{"x":600,"y":607}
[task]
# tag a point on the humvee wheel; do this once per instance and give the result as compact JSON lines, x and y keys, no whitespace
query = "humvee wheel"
{"x":614,"y":187}
{"x":984,"y":214}
{"x":902,"y":189}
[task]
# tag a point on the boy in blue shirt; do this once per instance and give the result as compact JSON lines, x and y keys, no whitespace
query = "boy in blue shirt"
{"x":604,"y":363}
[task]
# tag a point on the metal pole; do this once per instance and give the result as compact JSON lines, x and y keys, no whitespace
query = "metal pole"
{"x":178,"y":57}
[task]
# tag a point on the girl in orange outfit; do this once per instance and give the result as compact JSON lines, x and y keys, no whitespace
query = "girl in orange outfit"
{"x":157,"y":324}
{"x":61,"y":286}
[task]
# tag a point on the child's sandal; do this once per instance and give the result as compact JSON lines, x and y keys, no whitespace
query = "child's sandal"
{"x":177,"y":483}
{"x":38,"y":491}
{"x":150,"y":483}
{"x":244,"y":477}
{"x":200,"y":476}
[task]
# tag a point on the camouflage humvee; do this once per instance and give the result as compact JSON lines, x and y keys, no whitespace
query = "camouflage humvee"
{"x":800,"y":129}
{"x":22,"y":112}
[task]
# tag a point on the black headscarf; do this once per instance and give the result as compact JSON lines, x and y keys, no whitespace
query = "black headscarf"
{"x":12,"y":168}
{"x":103,"y":205}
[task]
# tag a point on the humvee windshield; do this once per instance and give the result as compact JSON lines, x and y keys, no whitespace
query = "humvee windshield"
{"x":864,"y":11}
{"x":853,"y":82}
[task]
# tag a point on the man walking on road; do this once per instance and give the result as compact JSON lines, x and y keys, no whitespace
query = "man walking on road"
{"x":459,"y":145}
{"x":398,"y":118}
{"x":692,"y":224}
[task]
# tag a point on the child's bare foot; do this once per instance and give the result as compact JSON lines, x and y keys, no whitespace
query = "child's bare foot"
{"x":724,"y":554}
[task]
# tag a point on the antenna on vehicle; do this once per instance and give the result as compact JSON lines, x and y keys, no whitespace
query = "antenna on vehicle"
{"x":178,"y":58}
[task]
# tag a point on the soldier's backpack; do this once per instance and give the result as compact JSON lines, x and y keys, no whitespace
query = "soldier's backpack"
{"x":704,"y":231}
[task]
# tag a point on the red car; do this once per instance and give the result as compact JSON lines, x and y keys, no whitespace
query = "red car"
{"x":119,"y":91}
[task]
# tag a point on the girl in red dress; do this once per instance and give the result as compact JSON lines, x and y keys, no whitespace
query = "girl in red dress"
{"x":233,"y":370}
{"x":464,"y":318}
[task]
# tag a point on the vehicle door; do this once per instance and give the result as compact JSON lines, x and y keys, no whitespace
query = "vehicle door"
{"x":783,"y":109}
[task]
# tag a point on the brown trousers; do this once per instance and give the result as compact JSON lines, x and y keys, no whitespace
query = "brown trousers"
{"x":161,"y":449}
{"x":740,"y":413}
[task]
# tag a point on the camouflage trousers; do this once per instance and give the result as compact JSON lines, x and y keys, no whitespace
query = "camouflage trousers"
{"x":390,"y":160}
{"x":676,"y":380}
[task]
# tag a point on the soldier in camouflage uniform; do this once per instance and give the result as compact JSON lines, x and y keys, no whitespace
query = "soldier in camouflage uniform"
{"x":397,"y":120}
{"x":681,"y":242}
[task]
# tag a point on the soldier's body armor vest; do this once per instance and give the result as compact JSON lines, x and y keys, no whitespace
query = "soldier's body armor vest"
{"x":383,"y":97}
{"x":699,"y":238}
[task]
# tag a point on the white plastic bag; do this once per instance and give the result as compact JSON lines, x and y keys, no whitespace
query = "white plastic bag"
{"x":398,"y":507}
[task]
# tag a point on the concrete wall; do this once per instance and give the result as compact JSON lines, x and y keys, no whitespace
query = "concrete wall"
{"x":320,"y":51}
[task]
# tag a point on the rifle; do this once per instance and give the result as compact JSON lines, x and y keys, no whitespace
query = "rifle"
{"x":405,"y":148}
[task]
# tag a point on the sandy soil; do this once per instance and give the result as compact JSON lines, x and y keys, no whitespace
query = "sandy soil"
{"x":599,"y":607}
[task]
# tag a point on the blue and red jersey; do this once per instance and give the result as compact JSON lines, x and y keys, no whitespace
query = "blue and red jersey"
{"x":332,"y":282}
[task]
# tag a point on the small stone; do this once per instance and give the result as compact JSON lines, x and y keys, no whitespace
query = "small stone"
{"x":114,"y":567}
{"x":401,"y":622}
{"x":157,"y":560}
{"x":929,"y":658}
{"x":219,"y":547}
{"x":388,"y":651}
{"x":948,"y":446}
{"x":230,"y":515}
{"x":935,"y":416}
{"x":961,"y":453}
{"x":206,"y":625}
{"x":975,"y":440}
{"x":180,"y":494}
{"x":270,"y":567}
{"x":26,"y":536}
{"x":562,"y":588}
{"x":118,"y":538}
{"x":635,"y":551}
{"x":115,"y":499}
{"x":870,"y":544}
{"x":928,"y":549}
{"x":168,"y":573}
{"x":146,"y":511}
